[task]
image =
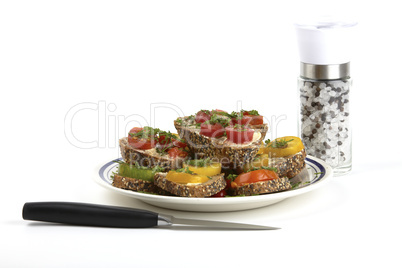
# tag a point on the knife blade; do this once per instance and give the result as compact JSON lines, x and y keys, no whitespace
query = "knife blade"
{"x":85,"y":214}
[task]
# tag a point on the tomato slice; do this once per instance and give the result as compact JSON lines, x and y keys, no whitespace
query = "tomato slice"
{"x":245,"y":120}
{"x":179,"y":144}
{"x":135,"y":130}
{"x":254,"y":176}
{"x":257,"y":120}
{"x":202,"y":116}
{"x":139,"y":142}
{"x":240,"y":134}
{"x":212,"y":130}
{"x":143,"y":144}
{"x":177,"y":152}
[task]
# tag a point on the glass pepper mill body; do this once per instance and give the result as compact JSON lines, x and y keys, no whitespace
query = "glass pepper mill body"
{"x":324,"y":115}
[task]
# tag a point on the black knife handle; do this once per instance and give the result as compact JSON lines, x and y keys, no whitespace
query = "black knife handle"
{"x":89,"y":214}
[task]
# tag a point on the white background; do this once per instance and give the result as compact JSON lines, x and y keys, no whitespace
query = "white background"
{"x":76,"y":75}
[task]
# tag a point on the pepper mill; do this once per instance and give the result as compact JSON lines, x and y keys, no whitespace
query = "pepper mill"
{"x":324,"y":85}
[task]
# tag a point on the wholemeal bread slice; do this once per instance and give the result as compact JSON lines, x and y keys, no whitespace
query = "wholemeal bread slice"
{"x":148,"y":158}
{"x":230,"y":155}
{"x":137,"y":185}
{"x":211,"y":187}
{"x":263,"y":187}
{"x":289,"y":166}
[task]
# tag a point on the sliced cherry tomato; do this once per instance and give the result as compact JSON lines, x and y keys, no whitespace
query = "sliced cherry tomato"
{"x":257,"y":120}
{"x":212,"y":130}
{"x":220,"y":194}
{"x":254,"y":176}
{"x":140,"y":142}
{"x":202,"y":116}
{"x":177,"y":152}
{"x":179,"y":144}
{"x":245,"y":120}
{"x":239,"y":134}
{"x":143,"y":144}
{"x":135,"y":130}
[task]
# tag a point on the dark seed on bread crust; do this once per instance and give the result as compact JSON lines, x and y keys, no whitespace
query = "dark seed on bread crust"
{"x":230,"y":155}
{"x":143,"y":158}
{"x":263,"y":187}
{"x":137,"y":185}
{"x":211,"y":187}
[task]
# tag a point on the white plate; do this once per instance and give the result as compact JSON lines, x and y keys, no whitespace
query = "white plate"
{"x":316,"y":173}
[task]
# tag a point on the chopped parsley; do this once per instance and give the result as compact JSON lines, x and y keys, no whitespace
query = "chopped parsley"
{"x":280,"y":143}
{"x":184,"y":170}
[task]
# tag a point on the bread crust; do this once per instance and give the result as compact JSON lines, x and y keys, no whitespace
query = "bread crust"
{"x":289,"y":166}
{"x":211,"y":187}
{"x":136,"y":185}
{"x":147,"y":158}
{"x":263,"y":187}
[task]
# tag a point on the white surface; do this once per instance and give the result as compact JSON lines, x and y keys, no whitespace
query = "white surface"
{"x":120,"y":59}
{"x":326,"y":40}
{"x":316,"y":174}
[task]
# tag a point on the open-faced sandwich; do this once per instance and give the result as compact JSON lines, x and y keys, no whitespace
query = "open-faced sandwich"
{"x":152,"y":147}
{"x":286,"y":154}
{"x":214,"y":154}
{"x":232,"y":138}
{"x":198,"y":178}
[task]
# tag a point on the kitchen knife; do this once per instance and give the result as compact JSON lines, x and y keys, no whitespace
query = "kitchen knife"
{"x":112,"y":216}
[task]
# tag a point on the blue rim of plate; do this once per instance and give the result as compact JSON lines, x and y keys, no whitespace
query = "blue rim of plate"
{"x":319,"y":171}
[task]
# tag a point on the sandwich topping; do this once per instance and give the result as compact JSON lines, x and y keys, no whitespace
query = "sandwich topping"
{"x":254,"y":176}
{"x":282,"y":147}
{"x":203,"y":167}
{"x":185,"y":176}
{"x":157,"y":142}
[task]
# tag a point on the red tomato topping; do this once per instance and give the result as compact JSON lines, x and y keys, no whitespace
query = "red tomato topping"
{"x":135,"y":130}
{"x":202,"y":116}
{"x":177,"y":152}
{"x":254,"y":176}
{"x":245,"y":120}
{"x":143,"y":144}
{"x":212,"y":130}
{"x":139,"y":142}
{"x":240,"y":134}
{"x":257,"y":120}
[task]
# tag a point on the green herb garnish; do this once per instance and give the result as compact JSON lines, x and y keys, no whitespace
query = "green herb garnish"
{"x":184,"y":170}
{"x":252,"y":112}
{"x":231,"y":177}
{"x":280,"y":143}
{"x":215,"y":119}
